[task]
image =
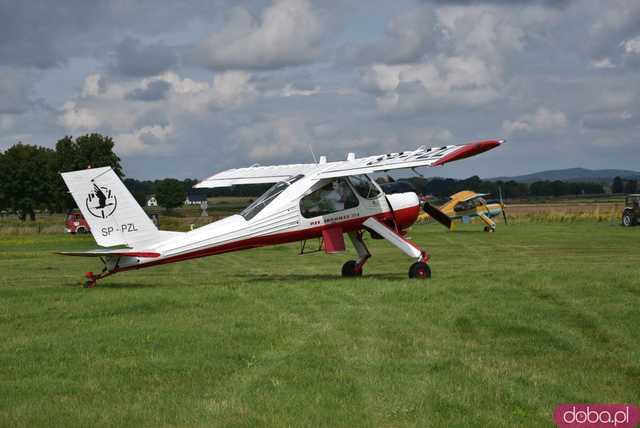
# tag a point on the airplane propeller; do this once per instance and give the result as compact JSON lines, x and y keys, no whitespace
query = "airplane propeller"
{"x":437,"y":215}
{"x":502,"y":206}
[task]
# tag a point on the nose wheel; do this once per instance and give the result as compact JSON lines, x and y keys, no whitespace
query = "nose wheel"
{"x":419,"y":270}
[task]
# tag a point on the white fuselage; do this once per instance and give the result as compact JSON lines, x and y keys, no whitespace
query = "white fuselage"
{"x":280,"y":221}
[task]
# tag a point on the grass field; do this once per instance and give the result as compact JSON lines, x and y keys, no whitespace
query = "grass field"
{"x":511,"y":324}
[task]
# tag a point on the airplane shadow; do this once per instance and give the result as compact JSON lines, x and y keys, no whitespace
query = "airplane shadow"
{"x":248,"y":280}
{"x":116,"y":285}
{"x":311,"y":277}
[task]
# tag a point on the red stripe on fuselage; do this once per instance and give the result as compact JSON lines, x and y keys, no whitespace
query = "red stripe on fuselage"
{"x":405,"y":217}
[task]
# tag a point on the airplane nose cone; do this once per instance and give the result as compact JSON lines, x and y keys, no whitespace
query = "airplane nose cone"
{"x":406,"y":207}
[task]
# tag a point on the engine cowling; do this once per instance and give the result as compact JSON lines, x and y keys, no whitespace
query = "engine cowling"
{"x":406,"y":208}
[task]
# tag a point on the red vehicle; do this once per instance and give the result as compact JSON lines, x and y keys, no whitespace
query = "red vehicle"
{"x":76,"y":223}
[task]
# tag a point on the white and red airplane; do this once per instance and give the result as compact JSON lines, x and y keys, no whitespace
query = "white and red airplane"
{"x":323,"y":200}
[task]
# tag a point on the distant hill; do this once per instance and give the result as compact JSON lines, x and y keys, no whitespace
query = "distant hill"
{"x":573,"y":174}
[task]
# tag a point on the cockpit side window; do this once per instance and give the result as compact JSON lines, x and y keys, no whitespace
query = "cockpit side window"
{"x":267,"y":197}
{"x":334,"y":196}
{"x":364,"y":186}
{"x":464,"y":206}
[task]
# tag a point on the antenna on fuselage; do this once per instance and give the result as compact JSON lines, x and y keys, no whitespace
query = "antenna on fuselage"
{"x":312,"y":154}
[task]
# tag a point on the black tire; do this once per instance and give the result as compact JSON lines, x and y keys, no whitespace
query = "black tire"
{"x":419,"y":270}
{"x":81,"y":230}
{"x":489,"y":229}
{"x":349,"y":269}
{"x":628,"y":219}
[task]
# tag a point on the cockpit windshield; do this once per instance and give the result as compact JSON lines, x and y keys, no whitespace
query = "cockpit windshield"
{"x":364,"y":186}
{"x":267,"y":197}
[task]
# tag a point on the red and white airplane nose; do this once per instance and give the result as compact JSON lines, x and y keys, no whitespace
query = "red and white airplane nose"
{"x":406,"y":208}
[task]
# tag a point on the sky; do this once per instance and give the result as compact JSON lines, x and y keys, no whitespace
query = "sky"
{"x":191,"y":88}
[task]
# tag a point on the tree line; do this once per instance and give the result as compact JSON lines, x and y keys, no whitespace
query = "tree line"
{"x":620,"y":185}
{"x":444,"y":187}
{"x":29,"y":174}
{"x":30,"y":180}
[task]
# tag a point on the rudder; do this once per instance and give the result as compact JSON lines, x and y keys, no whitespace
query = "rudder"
{"x":112,"y":212}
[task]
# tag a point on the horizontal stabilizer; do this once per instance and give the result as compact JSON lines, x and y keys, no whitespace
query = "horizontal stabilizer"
{"x":105,"y":253}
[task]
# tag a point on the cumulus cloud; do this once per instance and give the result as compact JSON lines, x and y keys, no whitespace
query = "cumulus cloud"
{"x":540,"y":123}
{"x":287,"y":33}
{"x":94,"y":84}
{"x":459,"y":58}
{"x":632,"y":46}
{"x":15,"y":92}
{"x":132,"y":58}
{"x":408,"y":37}
{"x":143,"y":139}
{"x":441,"y":83}
{"x":268,"y":140}
{"x":231,"y":83}
{"x":602,"y":63}
{"x":169,"y":102}
{"x":38,"y":34}
{"x":153,"y":91}
{"x":606,"y":120}
{"x":76,"y":118}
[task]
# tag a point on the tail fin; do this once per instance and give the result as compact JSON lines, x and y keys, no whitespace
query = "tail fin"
{"x":113,"y":214}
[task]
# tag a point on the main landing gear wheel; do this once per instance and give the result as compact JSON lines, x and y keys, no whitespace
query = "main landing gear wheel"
{"x":420,"y":270}
{"x":350,"y":269}
{"x":489,"y":229}
{"x":628,"y":220}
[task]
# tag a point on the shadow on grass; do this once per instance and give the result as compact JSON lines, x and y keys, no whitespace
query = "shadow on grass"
{"x":245,"y":280}
{"x":467,"y":231}
{"x":315,"y":277}
{"x":106,"y":283}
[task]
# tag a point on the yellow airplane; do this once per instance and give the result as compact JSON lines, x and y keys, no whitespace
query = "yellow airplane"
{"x":464,"y":206}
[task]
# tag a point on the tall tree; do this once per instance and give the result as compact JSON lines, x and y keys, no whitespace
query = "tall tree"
{"x":617,"y":186}
{"x":24,"y":178}
{"x":631,"y":186}
{"x":87,"y":151}
{"x":170,"y":193}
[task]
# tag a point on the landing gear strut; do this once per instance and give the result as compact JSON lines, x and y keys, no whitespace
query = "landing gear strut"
{"x":353,"y":268}
{"x":490,"y":224}
{"x":92,"y":279}
{"x":420,"y":269}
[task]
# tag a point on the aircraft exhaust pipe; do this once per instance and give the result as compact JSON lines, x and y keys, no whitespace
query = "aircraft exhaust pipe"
{"x":437,"y":215}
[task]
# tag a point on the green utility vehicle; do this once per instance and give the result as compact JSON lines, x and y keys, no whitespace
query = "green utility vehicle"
{"x":631,"y":212}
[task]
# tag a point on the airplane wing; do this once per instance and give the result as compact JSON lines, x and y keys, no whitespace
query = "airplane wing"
{"x":103,"y":253}
{"x":256,"y":175}
{"x":473,"y":196}
{"x":434,"y":156}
